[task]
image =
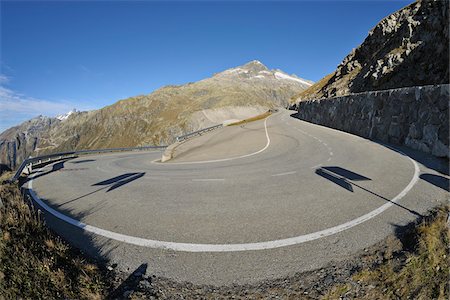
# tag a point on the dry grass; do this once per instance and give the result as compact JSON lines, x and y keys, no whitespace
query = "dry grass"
{"x":421,"y":273}
{"x":252,"y":119}
{"x":312,"y":90}
{"x":35,"y":263}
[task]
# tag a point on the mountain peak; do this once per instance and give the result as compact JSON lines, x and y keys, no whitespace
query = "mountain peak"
{"x":255,"y":65}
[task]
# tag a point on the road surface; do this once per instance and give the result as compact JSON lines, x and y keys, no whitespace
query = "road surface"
{"x":241,"y":204}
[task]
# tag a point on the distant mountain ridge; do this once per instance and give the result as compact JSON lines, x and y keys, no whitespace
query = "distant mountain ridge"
{"x":407,"y":48}
{"x":156,"y":118}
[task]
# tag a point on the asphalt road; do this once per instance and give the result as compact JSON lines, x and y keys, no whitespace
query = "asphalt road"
{"x":238,"y":205}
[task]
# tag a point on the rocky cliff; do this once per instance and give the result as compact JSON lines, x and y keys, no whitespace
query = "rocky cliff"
{"x":17,"y":143}
{"x":157,"y":118}
{"x":408,"y":48}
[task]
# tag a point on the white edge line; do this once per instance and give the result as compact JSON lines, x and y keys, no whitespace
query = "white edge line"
{"x":230,"y":158}
{"x":286,"y":173}
{"x":188,"y":247}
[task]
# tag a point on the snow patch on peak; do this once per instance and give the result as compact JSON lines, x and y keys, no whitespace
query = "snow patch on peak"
{"x":236,"y":70}
{"x":281,"y":76}
{"x":66,"y":116}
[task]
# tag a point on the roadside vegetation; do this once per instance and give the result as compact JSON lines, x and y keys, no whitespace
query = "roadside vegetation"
{"x":37,"y":264}
{"x":312,"y":90}
{"x":255,"y":118}
{"x":419,"y":269}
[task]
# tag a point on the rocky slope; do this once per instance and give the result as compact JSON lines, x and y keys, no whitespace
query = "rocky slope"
{"x":408,"y":48}
{"x":17,"y":143}
{"x":157,"y":118}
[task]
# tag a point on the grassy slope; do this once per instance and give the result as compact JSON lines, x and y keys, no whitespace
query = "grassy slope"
{"x":37,"y":264}
{"x":419,"y":273}
{"x":312,"y":91}
{"x":255,"y":118}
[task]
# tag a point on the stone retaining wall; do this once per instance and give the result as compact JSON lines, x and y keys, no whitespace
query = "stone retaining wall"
{"x":417,"y":117}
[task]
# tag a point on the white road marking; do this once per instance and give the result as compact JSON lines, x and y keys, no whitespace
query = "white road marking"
{"x":286,"y":173}
{"x":188,"y":247}
{"x":231,"y":158}
{"x":322,"y":142}
{"x":209,"y":179}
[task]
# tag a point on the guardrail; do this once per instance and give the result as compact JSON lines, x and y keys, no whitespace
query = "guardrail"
{"x":198,"y":132}
{"x":28,"y":163}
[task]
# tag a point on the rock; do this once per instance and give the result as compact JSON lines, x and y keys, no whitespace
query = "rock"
{"x":128,"y":293}
{"x":328,"y":280}
{"x":440,"y":150}
{"x":430,"y":134}
{"x":414,"y":132}
{"x":435,"y":118}
{"x":145,"y":285}
{"x":402,"y":50}
{"x":394,"y":130}
{"x":443,"y":134}
{"x":443,"y":102}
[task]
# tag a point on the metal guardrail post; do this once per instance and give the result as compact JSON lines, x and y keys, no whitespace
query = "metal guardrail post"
{"x":198,"y":132}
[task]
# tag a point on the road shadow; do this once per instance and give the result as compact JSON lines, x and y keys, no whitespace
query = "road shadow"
{"x":333,"y":178}
{"x":120,"y":180}
{"x":437,"y":180}
{"x":80,"y":197}
{"x":55,"y":167}
{"x":37,"y":172}
{"x":347,"y":183}
{"x":136,"y":282}
{"x":110,"y":184}
{"x":437,"y":164}
{"x":346,"y":173}
{"x":4,"y":168}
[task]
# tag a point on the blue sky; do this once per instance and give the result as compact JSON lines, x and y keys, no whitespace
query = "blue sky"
{"x":87,"y":54}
